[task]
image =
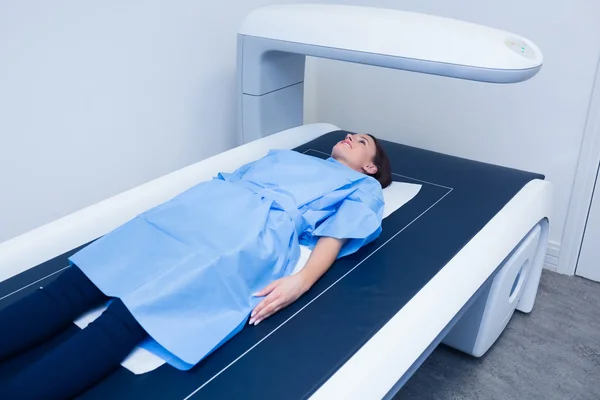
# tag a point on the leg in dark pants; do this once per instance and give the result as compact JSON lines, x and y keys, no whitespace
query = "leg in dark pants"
{"x":47,"y":311}
{"x":81,"y":361}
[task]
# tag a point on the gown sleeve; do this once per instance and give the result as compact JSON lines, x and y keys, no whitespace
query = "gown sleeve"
{"x":357,"y":219}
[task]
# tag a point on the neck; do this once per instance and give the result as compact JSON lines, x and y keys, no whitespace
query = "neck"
{"x":342,"y":161}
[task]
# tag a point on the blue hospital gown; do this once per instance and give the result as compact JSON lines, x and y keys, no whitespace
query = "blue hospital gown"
{"x":187,"y":269}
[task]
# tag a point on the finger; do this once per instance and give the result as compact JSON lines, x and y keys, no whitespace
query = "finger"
{"x":260,"y":314}
{"x":267,"y":289}
{"x":268,"y":310}
{"x":275,"y":310}
{"x":264,"y":303}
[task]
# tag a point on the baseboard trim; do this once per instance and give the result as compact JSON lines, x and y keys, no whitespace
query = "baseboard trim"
{"x":552,"y":254}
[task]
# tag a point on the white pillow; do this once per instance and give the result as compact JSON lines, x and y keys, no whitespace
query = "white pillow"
{"x":398,"y":194}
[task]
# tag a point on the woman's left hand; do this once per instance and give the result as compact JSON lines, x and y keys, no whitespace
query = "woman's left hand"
{"x":279,"y":294}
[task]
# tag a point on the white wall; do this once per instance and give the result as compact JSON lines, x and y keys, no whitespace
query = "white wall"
{"x":536,"y":125}
{"x":98,"y":97}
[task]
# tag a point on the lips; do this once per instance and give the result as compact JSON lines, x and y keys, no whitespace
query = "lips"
{"x":347,"y":143}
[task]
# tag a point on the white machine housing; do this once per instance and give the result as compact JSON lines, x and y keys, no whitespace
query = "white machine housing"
{"x":513,"y":287}
{"x":273,"y":43}
{"x":388,"y":359}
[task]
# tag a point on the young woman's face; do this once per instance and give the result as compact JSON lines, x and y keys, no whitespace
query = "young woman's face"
{"x":357,"y":151}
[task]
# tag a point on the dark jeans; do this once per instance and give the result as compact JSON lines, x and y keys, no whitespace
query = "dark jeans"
{"x":83,"y":359}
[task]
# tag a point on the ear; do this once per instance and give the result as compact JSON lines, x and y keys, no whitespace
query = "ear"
{"x":371,"y":169}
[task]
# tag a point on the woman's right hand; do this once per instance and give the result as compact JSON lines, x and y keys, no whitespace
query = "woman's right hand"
{"x":279,"y":294}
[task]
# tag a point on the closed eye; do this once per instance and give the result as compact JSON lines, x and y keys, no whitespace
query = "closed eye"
{"x":362,"y":141}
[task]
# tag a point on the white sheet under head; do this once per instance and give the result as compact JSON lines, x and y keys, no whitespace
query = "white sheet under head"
{"x":57,"y":237}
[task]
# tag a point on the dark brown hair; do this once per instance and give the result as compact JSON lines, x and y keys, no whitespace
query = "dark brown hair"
{"x":384,"y":168}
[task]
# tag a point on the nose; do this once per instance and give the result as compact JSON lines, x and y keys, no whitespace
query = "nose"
{"x":349,"y":137}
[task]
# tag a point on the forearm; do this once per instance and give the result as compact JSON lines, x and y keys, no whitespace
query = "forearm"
{"x":284,"y":291}
{"x":322,"y":257}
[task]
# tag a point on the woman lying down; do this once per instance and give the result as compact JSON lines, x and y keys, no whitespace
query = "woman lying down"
{"x":189,"y":273}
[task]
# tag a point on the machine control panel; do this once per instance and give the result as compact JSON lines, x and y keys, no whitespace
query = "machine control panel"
{"x":521,"y":47}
